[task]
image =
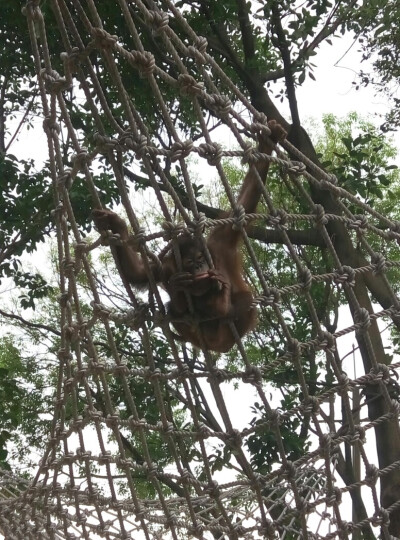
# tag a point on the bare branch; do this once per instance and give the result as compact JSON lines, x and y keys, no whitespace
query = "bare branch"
{"x":24,"y":117}
{"x":284,"y":49}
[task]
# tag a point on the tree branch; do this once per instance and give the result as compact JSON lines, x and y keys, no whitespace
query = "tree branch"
{"x":327,"y":30}
{"x":2,"y":115}
{"x":309,"y":237}
{"x":30,"y":324}
{"x":246,"y":31}
{"x":22,"y":122}
{"x":221,"y":43}
{"x":283,"y":47}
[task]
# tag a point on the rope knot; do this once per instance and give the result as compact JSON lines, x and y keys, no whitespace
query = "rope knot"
{"x":213,"y":489}
{"x":122,"y":370}
{"x":296,"y":167}
{"x":198,"y":225}
{"x":155,"y":375}
{"x":359,"y":434}
{"x":63,"y":355}
{"x":312,"y":405}
{"x":138,"y":241}
{"x":53,"y":81}
{"x":320,"y":217}
{"x":239,"y":530}
{"x":274,"y":418}
{"x":305,"y":277}
{"x":198,"y":49}
{"x":144,"y":62}
{"x":260,"y":129}
{"x":32,"y":7}
{"x":64,"y":180}
{"x":203,"y":431}
{"x":141,"y":146}
{"x":180,"y":150}
{"x":103,"y":39}
{"x":379,"y":263}
{"x":183,"y":372}
{"x":248,"y":154}
{"x":127,"y":139}
{"x":384,"y":517}
{"x":359,"y":223}
{"x":169,"y":429}
{"x":201,"y":44}
{"x":197,"y":55}
{"x":73,"y":57}
{"x":103,"y":143}
{"x":395,"y":231}
{"x":234,"y":439}
{"x":371,"y":474}
{"x":50,"y":126}
{"x":334,"y":497}
{"x":277,"y":219}
{"x":239,"y":216}
{"x":100,"y":311}
{"x":362,"y":320}
{"x":158,"y":20}
{"x":189,"y":86}
{"x":252,"y":375}
{"x":81,"y":247}
{"x":294,"y":347}
{"x":136,"y":318}
{"x":289,"y":470}
{"x":271,"y":297}
{"x":173,"y":230}
{"x":196,"y":530}
{"x":106,"y":456}
{"x":345,"y":275}
{"x":68,"y":263}
{"x":218,"y":375}
{"x":63,"y":299}
{"x":81,"y":159}
{"x":344,"y":384}
{"x":219,"y":104}
{"x":327,"y":341}
{"x":383,"y":371}
{"x":151,"y":470}
{"x":212,"y":152}
{"x":261,"y":119}
{"x":326,"y":443}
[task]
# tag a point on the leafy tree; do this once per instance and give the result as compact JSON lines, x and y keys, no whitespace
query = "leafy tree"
{"x":362,"y":160}
{"x":24,"y":402}
{"x":377,"y":31}
{"x":267,"y":49}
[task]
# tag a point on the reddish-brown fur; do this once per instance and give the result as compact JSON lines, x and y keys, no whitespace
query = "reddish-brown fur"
{"x":219,"y":296}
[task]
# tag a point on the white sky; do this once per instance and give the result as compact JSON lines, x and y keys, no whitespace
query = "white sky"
{"x":334,"y":89}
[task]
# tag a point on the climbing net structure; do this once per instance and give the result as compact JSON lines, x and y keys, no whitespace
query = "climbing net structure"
{"x":148,"y":438}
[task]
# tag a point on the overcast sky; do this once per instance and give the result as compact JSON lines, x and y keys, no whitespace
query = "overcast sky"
{"x":333,"y":91}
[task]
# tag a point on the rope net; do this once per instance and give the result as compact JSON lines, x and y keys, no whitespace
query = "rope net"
{"x":148,"y":440}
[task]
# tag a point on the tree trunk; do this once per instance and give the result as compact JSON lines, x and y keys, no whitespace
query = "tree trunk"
{"x":387,"y":433}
